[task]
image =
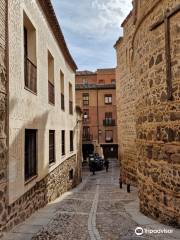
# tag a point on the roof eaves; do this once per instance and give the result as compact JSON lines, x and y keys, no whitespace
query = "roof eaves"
{"x":49,"y":12}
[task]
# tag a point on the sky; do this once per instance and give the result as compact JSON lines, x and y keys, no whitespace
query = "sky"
{"x":91,"y":28}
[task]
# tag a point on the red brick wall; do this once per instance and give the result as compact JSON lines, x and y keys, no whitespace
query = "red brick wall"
{"x":96,"y":98}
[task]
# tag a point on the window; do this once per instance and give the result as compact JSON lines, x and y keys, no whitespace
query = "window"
{"x":113,"y":81}
{"x":70,"y":99}
{"x":62,"y":90}
{"x":63,"y":142}
{"x":85,"y":81}
{"x":71,"y":141}
{"x":51,"y":95}
{"x":30,"y":153}
{"x":86,"y":131}
{"x":51,"y":146}
{"x":71,"y":174}
{"x":85,"y":99}
{"x":101,"y":81}
{"x":108,"y":99}
{"x":30,"y":69}
{"x":108,"y":121}
{"x":108,"y":136}
{"x":85,"y":115}
{"x":86,"y":134}
{"x":108,"y":115}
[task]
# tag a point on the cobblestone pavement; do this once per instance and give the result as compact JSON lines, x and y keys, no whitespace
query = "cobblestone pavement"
{"x":96,"y":210}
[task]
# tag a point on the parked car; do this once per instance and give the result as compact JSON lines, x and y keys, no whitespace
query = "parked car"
{"x":97,"y":161}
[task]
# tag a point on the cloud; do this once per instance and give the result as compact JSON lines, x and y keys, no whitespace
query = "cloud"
{"x":110,"y":13}
{"x":91,"y":27}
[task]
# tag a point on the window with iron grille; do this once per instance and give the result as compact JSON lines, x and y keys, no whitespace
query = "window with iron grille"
{"x":30,"y":69}
{"x":108,"y":118}
{"x":30,"y":154}
{"x":85,"y":98}
{"x":51,"y":146}
{"x":71,"y":174}
{"x":51,"y":90}
{"x":71,"y":141}
{"x":108,"y":99}
{"x":70,"y":99}
{"x":62,"y":90}
{"x":63,"y":142}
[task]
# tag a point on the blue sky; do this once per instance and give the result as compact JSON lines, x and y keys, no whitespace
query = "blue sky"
{"x":91,"y":27}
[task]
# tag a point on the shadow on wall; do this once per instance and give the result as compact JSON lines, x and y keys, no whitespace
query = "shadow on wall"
{"x":51,"y":186}
{"x":37,"y":196}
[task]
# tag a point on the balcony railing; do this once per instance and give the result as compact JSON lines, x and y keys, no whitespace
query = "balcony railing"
{"x":30,"y":74}
{"x":70,"y":107}
{"x":109,"y":122}
{"x":51,"y":93}
{"x":87,"y":138}
{"x":62,"y":101}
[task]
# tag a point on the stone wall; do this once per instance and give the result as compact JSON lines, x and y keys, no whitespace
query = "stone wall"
{"x":126,"y":95}
{"x":48,"y":189}
{"x":3,"y":113}
{"x":157,"y":117}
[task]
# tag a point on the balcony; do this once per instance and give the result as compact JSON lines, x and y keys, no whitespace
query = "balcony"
{"x":30,"y":74}
{"x":70,"y":107}
{"x":109,"y":122}
{"x":51,"y":93}
{"x":87,"y":138}
{"x":62,"y":101}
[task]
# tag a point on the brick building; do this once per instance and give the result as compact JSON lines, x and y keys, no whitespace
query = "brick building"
{"x":148,"y":106}
{"x":96,"y":95}
{"x":37,"y":104}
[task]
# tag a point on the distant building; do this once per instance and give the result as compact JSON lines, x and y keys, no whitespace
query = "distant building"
{"x":96,"y":95}
{"x":37,"y":104}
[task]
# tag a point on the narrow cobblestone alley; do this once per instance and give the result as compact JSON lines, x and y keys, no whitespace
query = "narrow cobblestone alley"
{"x":95,"y":210}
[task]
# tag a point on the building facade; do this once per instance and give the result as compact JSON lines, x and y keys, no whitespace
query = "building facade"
{"x":96,"y":95}
{"x":41,"y":126}
{"x":148,"y":94}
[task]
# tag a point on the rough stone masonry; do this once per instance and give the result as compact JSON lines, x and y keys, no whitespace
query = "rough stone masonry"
{"x":3,"y":113}
{"x":148,"y":94}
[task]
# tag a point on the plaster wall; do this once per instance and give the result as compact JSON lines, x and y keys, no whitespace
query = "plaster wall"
{"x":32,"y":111}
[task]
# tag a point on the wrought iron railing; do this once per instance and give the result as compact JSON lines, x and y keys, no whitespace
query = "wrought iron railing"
{"x":30,"y":74}
{"x":62,"y":101}
{"x":51,"y":93}
{"x":87,"y":138}
{"x":109,"y":122}
{"x":70,"y":107}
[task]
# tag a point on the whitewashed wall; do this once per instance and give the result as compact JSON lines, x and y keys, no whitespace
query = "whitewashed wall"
{"x":27,"y":110}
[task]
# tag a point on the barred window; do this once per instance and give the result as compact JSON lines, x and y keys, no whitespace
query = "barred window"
{"x":63,"y":142}
{"x":30,"y":153}
{"x":51,"y":146}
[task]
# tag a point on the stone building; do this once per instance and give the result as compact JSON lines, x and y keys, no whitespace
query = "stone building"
{"x":3,"y":112}
{"x":40,"y":160}
{"x":148,"y":97}
{"x":96,"y":95}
